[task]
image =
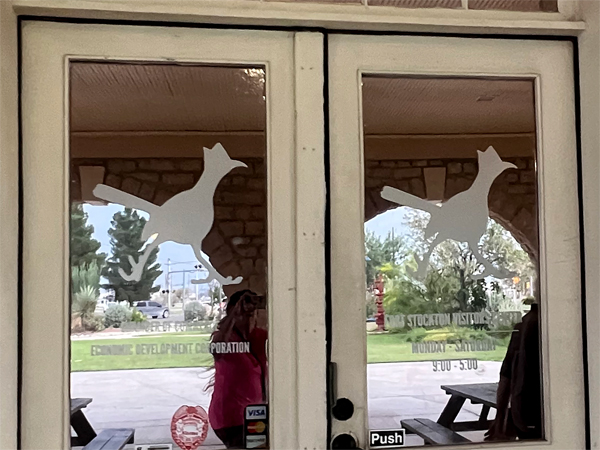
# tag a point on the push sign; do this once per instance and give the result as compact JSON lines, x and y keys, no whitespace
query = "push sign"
{"x":256,"y":426}
{"x":386,"y":438}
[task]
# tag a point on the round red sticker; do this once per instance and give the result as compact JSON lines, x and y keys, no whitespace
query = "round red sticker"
{"x":189,"y":427}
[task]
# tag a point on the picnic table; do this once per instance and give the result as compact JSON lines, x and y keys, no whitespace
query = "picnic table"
{"x":110,"y":439}
{"x":83,"y":429}
{"x":479,"y":394}
{"x":444,"y":431}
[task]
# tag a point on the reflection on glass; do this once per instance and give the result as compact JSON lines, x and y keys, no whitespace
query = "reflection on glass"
{"x":168,"y":254}
{"x":451,"y":242}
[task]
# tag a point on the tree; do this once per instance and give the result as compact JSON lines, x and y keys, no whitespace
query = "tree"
{"x":451,"y":284}
{"x":125,"y":241}
{"x":497,"y":245}
{"x":379,"y":252}
{"x":404,"y":295}
{"x":83,"y":247}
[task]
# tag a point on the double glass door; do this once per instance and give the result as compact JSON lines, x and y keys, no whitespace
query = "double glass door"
{"x":175,"y":253}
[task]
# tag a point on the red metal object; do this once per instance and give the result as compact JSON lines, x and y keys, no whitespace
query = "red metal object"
{"x":189,"y":427}
{"x":380,"y":316}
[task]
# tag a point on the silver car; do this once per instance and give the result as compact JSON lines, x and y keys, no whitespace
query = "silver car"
{"x":152,"y":309}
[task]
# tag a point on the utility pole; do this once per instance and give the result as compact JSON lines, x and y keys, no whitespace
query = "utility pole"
{"x":197,"y":267}
{"x":169,"y":283}
{"x":184,"y":289}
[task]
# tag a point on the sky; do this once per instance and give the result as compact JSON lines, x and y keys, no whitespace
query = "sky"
{"x":182,"y":256}
{"x":382,"y":224}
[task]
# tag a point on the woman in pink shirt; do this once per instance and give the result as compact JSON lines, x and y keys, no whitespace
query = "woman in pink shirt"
{"x":238,"y":348}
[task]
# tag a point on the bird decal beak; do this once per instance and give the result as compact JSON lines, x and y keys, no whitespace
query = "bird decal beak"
{"x":235,"y":163}
{"x":508,"y":165}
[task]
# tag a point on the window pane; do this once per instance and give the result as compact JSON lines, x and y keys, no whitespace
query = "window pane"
{"x":168,"y":251}
{"x":451,"y":258}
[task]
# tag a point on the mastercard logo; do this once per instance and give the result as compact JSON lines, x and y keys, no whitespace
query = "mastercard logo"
{"x":256,"y":427}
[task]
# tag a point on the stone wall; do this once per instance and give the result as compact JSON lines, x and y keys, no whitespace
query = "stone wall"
{"x":237,"y":243}
{"x":512,"y":199}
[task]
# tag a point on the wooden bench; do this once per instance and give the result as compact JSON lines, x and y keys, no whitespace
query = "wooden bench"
{"x":111,"y":439}
{"x":432,"y":432}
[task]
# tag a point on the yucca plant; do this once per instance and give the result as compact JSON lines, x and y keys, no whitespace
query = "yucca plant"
{"x":84,"y":276}
{"x":84,"y":303}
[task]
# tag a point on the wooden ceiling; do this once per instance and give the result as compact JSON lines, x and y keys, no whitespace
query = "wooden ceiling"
{"x":166,"y":97}
{"x":173,"y":98}
{"x":143,"y":110}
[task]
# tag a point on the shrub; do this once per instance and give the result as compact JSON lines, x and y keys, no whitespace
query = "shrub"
{"x":95,"y":324}
{"x":116,"y":314}
{"x":453,"y":334}
{"x":416,"y":335}
{"x":137,"y":316}
{"x":194,"y":311}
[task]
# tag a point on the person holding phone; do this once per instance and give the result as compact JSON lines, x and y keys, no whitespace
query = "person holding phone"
{"x":238,"y":346}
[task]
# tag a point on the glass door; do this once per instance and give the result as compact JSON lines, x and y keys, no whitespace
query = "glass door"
{"x":454,"y":243}
{"x":160,"y":230}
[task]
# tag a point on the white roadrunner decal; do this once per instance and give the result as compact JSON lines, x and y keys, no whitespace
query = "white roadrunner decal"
{"x":185,"y":218}
{"x":462,"y":218}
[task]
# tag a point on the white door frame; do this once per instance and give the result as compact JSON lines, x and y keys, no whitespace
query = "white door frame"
{"x":296,"y":199}
{"x":550,"y":64}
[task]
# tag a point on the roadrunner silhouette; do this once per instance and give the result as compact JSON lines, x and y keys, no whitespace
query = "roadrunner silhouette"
{"x":185,"y":218}
{"x":462,"y":218}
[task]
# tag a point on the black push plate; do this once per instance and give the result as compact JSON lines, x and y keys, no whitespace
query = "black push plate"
{"x":386,"y":438}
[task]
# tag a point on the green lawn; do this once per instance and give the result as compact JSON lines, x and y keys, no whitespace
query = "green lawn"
{"x":187,"y":349}
{"x":141,"y":349}
{"x":390,"y":348}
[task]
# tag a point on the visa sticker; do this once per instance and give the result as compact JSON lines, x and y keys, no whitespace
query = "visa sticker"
{"x":256,"y":412}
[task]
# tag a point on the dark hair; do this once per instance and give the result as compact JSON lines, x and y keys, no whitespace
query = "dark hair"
{"x":236,"y":297}
{"x":224,"y":327}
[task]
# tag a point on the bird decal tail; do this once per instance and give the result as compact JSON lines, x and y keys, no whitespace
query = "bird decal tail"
{"x":405,"y":199}
{"x":110,"y":194}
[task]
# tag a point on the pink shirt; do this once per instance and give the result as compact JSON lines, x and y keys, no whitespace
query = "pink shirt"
{"x":237,"y":380}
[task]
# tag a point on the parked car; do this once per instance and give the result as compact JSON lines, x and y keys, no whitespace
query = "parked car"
{"x":102,"y":305}
{"x":152,"y":310}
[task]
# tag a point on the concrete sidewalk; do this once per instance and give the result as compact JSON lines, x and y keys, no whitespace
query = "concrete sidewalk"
{"x":147,"y":399}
